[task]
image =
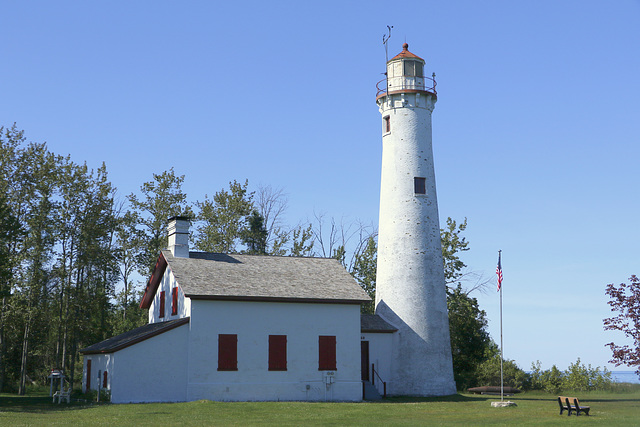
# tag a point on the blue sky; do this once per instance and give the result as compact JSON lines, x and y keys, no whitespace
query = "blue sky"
{"x":535,"y":132}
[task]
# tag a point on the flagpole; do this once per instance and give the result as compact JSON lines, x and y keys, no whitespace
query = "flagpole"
{"x":501,"y":343}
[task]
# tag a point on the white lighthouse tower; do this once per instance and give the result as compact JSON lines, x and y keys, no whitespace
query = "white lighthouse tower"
{"x":410,"y":288}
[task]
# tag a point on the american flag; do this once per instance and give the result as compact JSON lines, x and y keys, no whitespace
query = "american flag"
{"x":499,"y":271}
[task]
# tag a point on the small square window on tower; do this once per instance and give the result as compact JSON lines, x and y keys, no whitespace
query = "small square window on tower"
{"x":386,"y":124}
{"x":420,"y":185}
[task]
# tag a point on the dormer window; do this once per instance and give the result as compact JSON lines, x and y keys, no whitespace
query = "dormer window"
{"x":413,"y":69}
{"x":174,"y":301}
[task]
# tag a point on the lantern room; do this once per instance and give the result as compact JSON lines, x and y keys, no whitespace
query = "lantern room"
{"x":405,"y":73}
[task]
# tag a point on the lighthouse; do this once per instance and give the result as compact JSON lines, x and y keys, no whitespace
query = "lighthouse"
{"x":410,"y":287}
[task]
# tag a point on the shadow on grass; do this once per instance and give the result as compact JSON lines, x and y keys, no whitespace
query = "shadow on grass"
{"x":452,"y":398}
{"x":39,"y":404}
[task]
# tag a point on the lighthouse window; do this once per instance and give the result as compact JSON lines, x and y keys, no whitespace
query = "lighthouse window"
{"x":420,"y":185}
{"x":387,"y":124}
{"x":413,"y":69}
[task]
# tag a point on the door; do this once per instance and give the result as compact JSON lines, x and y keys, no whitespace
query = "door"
{"x":88,"y":375}
{"x":364,"y":355}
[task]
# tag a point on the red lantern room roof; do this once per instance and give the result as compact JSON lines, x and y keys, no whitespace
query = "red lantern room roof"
{"x":405,"y":54}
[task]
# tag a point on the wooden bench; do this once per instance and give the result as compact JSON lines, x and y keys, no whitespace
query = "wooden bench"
{"x":570,"y":404}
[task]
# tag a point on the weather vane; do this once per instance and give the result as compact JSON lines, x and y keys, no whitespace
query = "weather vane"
{"x":385,"y":39}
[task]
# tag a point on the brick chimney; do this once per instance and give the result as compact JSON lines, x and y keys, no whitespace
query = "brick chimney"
{"x":178,"y":231}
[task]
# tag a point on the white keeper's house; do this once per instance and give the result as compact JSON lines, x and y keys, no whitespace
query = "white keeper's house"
{"x":237,"y":327}
{"x":248,"y":327}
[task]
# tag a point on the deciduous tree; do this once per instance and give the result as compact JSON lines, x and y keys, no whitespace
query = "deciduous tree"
{"x":221,"y":220}
{"x":625,"y":300}
{"x":470,"y":339}
{"x":162,"y":198}
{"x":364,"y":271}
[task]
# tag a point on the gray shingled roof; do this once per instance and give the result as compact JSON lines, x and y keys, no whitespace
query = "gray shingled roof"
{"x":252,"y":277}
{"x":375,"y":323}
{"x":133,"y":336}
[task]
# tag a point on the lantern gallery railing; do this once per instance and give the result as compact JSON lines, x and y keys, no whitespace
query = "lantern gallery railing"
{"x":398,"y":84}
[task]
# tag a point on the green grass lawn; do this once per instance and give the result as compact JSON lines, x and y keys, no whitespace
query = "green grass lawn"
{"x":534,"y":408}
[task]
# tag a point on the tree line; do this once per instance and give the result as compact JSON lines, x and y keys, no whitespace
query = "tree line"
{"x":67,"y":239}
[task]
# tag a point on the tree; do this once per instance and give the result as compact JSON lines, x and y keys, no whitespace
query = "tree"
{"x":129,"y":254}
{"x":162,"y":198}
{"x":221,"y":220}
{"x":34,"y":178}
{"x":364,"y":271}
{"x":57,"y":263}
{"x":254,"y":235}
{"x":452,"y":245}
{"x":625,"y":299}
{"x":10,"y":231}
{"x":85,"y":268}
{"x":470,"y":340}
{"x":302,"y":241}
{"x":488,"y":372}
{"x":271,"y":203}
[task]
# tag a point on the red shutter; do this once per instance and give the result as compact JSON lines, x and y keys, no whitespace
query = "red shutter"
{"x":88,"y":375}
{"x":174,"y":303}
{"x":104,"y":380}
{"x":327,"y":353}
{"x":277,"y":352}
{"x":162,"y":299}
{"x":227,"y":352}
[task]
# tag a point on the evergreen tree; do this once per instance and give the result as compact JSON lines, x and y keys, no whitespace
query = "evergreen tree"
{"x":254,"y":235}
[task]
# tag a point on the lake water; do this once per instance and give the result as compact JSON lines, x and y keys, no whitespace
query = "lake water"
{"x":625,"y":377}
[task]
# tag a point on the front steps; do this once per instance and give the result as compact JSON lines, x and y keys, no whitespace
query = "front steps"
{"x":370,"y":391}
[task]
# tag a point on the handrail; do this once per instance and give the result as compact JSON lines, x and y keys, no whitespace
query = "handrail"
{"x":373,"y":377}
{"x":408,"y":85}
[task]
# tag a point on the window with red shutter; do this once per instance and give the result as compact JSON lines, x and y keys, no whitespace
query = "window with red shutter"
{"x":327,"y":353}
{"x":88,"y":375}
{"x":174,"y":302}
{"x":104,"y":380}
{"x":162,"y":299}
{"x":227,"y":352}
{"x":277,"y":352}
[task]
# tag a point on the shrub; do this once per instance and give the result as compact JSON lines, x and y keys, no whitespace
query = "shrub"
{"x":577,"y":377}
{"x":488,"y":373}
{"x":585,"y":378}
